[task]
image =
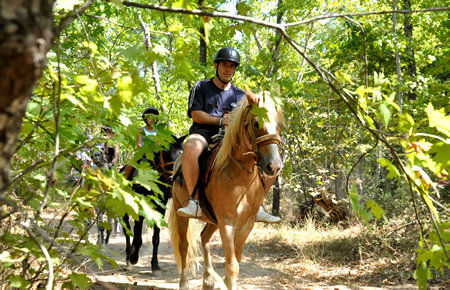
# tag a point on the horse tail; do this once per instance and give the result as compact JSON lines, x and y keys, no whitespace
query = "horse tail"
{"x":192,"y":237}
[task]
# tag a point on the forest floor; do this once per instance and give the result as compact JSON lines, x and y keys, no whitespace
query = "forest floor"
{"x":284,"y":257}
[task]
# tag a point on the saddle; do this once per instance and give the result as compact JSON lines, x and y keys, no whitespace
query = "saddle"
{"x":206,"y":165}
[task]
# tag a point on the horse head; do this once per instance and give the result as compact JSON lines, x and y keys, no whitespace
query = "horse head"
{"x":166,"y":159}
{"x":266,"y":134}
{"x":249,"y":136}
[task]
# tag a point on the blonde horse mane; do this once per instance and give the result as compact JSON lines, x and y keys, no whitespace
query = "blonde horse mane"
{"x":237,"y":131}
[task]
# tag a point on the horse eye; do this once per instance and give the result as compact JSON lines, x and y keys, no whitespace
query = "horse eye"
{"x":256,"y":123}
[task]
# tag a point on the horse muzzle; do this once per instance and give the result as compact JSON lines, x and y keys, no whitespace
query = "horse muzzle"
{"x":269,"y":159}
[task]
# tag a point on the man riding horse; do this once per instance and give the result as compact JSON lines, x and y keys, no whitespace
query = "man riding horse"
{"x":210,"y":104}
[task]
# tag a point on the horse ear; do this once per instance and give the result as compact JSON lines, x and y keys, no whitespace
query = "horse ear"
{"x":251,"y":98}
{"x":181,"y":139}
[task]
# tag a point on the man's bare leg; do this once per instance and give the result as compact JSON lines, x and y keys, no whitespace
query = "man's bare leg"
{"x":192,"y":150}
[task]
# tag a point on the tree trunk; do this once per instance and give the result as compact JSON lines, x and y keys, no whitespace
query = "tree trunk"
{"x":153,"y":65}
{"x":26,"y":34}
{"x":397,"y":58}
{"x":202,"y":47}
{"x":276,"y":198}
{"x":409,"y":58}
{"x":279,"y":37}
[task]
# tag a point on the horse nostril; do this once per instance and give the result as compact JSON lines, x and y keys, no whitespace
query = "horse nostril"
{"x":273,"y":167}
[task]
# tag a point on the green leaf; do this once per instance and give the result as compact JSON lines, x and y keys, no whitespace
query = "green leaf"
{"x":375,"y":209}
{"x":243,"y":8}
{"x":405,"y":122}
{"x":441,"y":155}
{"x":147,"y":177}
{"x":430,"y":204}
{"x":379,"y":79}
{"x":358,"y":208}
{"x":81,"y":281}
{"x":393,"y":171}
{"x":344,"y":77}
{"x":438,"y":119}
{"x":261,"y":113}
{"x":362,"y":101}
{"x":18,"y":282}
{"x":390,"y":100}
{"x":386,"y":113}
{"x":422,"y":274}
{"x":7,"y":261}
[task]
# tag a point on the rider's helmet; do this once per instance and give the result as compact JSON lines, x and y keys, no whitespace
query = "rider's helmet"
{"x":106,"y":128}
{"x":229,"y":54}
{"x":149,"y":111}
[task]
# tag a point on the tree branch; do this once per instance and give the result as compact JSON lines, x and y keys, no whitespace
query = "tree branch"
{"x":26,"y":226}
{"x":321,"y":17}
{"x":71,"y":16}
{"x":270,"y":24}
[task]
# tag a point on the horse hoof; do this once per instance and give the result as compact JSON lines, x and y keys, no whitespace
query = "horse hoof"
{"x":128,"y":266}
{"x":157,"y":272}
{"x":134,"y":258}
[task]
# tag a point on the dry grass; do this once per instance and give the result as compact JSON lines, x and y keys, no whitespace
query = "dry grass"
{"x":332,"y":254}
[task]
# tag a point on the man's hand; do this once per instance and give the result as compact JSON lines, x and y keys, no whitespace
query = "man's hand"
{"x":226,"y":119}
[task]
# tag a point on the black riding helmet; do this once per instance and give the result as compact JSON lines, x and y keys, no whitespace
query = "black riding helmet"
{"x":228,"y":53}
{"x":148,"y":111}
{"x":106,"y":128}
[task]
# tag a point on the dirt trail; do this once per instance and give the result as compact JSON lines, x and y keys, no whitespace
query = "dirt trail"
{"x":263,"y":267}
{"x":253,"y":274}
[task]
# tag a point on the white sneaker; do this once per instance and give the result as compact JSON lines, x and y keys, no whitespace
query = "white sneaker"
{"x":192,"y":209}
{"x":263,"y":216}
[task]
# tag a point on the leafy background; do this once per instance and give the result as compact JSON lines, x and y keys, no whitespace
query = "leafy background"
{"x":387,"y":137}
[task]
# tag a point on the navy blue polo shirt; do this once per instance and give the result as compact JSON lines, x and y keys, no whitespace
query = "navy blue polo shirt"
{"x":207,"y":97}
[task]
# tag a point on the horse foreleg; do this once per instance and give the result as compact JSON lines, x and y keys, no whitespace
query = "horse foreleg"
{"x":231,"y":263}
{"x":137,"y":241}
{"x":155,"y":242}
{"x":100,"y":228}
{"x":126,"y":220}
{"x":240,"y":237}
{"x":210,"y":277}
{"x":182,"y":227}
{"x":157,"y":231}
{"x":108,"y":232}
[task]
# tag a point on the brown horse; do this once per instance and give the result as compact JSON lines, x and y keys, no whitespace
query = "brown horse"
{"x":247,"y":159}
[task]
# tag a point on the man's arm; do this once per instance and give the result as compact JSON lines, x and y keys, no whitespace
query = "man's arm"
{"x":201,"y":117}
{"x":138,"y":140}
{"x":116,"y":155}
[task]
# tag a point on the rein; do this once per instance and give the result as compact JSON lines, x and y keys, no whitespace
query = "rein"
{"x":162,"y":165}
{"x":260,"y":141}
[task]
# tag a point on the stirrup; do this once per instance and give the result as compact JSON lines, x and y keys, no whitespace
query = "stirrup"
{"x":192,"y":209}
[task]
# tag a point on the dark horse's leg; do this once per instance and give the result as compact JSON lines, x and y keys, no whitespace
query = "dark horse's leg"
{"x":132,"y":249}
{"x":126,"y":220}
{"x":137,"y":240}
{"x":156,"y":230}
{"x":100,"y":228}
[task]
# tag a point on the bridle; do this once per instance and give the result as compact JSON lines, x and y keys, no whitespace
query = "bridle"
{"x":258,"y":142}
{"x":268,"y":139}
{"x":161,"y":166}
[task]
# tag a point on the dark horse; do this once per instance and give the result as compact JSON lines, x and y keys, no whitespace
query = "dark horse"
{"x":163,"y":163}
